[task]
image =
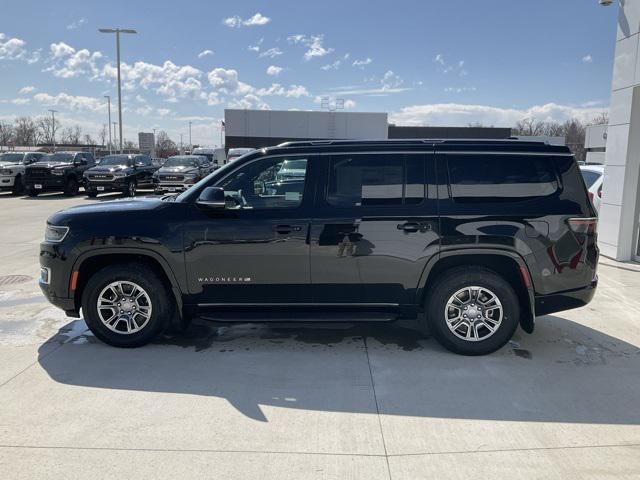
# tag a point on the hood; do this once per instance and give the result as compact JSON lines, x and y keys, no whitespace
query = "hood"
{"x":178,"y":170}
{"x":49,"y":164}
{"x":11,"y":165}
{"x":107,"y":168}
{"x":125,"y":206}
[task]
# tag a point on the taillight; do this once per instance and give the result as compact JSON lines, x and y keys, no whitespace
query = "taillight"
{"x":590,"y":196}
{"x":584,"y":226}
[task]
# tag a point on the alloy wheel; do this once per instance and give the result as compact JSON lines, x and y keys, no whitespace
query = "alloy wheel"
{"x":124,"y":307}
{"x":473,"y":313}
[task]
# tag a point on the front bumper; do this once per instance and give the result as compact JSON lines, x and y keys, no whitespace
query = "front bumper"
{"x":56,"y":287}
{"x":48,"y":183}
{"x":171,"y":187}
{"x":7,"y":181}
{"x":111,"y":186}
{"x":567,"y":300}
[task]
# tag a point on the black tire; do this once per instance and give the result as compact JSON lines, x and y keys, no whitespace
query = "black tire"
{"x":32,"y":192}
{"x":161,"y":300}
{"x":131,"y":188}
{"x":71,"y":187}
{"x":18,"y":186}
{"x":92,"y":193}
{"x":455,"y":280}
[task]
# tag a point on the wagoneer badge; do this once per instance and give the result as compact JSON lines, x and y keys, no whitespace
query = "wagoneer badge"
{"x":224,"y":279}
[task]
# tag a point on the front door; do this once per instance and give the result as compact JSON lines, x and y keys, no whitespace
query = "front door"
{"x":376,"y":229}
{"x":256,"y":250}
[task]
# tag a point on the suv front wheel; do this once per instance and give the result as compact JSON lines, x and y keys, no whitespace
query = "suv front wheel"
{"x":126,"y":305}
{"x":71,"y":187}
{"x":472,"y":311}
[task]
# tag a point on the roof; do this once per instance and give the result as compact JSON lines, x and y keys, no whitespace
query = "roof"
{"x":427,"y":144}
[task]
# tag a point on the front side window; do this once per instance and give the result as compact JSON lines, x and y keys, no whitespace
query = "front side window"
{"x":375,"y":180}
{"x":501,"y":177}
{"x":262,"y":185}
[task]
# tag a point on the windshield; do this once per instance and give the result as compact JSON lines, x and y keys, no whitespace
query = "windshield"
{"x":116,"y":160}
{"x":11,"y":157}
{"x":294,"y":165}
{"x":180,"y":162}
{"x":59,"y":157}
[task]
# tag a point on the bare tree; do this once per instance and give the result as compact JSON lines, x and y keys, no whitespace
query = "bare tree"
{"x":574,"y":133}
{"x":103,"y":134}
{"x":601,"y":119}
{"x":26,"y":131}
{"x":72,"y":134}
{"x":530,"y":127}
{"x":6,"y":134}
{"x":47,"y":129}
{"x":88,"y":139}
{"x":164,"y":145}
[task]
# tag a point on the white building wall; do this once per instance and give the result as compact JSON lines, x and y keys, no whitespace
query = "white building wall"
{"x":299,"y":124}
{"x":619,"y":212}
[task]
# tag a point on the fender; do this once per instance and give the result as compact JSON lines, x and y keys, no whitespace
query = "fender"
{"x":176,"y":287}
{"x":527,"y":321}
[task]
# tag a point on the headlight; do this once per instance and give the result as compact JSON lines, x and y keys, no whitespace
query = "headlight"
{"x":55,"y":234}
{"x":190,"y":175}
{"x":6,"y":172}
{"x":119,"y":174}
{"x":57,"y":172}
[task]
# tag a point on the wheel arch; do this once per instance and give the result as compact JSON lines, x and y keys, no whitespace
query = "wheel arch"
{"x":507,"y":264}
{"x":89,"y":263}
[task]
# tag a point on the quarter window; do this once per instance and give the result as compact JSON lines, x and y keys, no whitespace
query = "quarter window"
{"x":501,"y":177}
{"x":375,"y":180}
{"x":276,"y":182}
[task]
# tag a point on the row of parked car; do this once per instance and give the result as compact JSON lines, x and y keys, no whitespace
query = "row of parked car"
{"x":32,"y":173}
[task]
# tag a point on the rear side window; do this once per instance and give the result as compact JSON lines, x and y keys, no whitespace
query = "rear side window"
{"x":375,"y":180}
{"x":501,"y":177}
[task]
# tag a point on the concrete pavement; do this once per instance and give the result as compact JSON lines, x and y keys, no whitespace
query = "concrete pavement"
{"x":312,"y":401}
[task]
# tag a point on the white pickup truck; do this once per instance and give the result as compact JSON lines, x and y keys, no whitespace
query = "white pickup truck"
{"x":12,"y":169}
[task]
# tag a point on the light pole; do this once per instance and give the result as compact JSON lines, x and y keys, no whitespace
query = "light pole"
{"x":115,"y":135}
{"x":53,"y":129}
{"x":118,"y":31}
{"x":190,"y":144}
{"x":109,"y":108}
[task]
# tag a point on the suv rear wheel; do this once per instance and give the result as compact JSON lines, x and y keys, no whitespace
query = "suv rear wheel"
{"x":71,"y":187}
{"x":127,"y":305}
{"x":472,"y":311}
{"x":32,"y":192}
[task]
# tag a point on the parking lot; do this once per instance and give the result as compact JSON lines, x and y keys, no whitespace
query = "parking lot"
{"x":311,"y":401}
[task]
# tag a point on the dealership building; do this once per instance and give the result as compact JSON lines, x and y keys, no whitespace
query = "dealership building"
{"x":263,"y":128}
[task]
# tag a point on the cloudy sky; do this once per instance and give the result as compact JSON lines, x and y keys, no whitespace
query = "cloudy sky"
{"x":429,"y":62}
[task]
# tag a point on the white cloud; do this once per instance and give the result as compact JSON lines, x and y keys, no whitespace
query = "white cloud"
{"x":332,"y":66}
{"x":27,"y":89}
{"x":15,"y":49}
{"x":459,"y":89}
{"x":20,"y":101}
{"x":226,"y":81}
{"x":362,"y":63}
{"x":446,"y":67}
{"x":390,"y":80}
{"x":66,"y":62}
{"x":587,"y":59}
{"x":72,"y":102}
{"x":274,"y":70}
{"x":314,"y":44}
{"x":256,"y":47}
{"x":205,"y":53}
{"x":455,"y":114}
{"x":271,"y":53}
{"x":170,"y":80}
{"x":249,"y":101}
{"x":236,"y":21}
{"x":76,"y":24}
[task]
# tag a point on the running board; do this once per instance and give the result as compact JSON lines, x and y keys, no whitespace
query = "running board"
{"x":283,"y":316}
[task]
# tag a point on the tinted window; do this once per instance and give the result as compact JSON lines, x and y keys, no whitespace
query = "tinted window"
{"x":590,"y":177}
{"x":259,"y":186}
{"x":375,"y":179}
{"x":501,"y":177}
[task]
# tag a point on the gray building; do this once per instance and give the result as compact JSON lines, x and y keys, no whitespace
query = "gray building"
{"x":147,"y":143}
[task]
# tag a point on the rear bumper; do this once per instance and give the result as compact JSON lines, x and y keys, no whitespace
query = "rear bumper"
{"x":567,"y":300}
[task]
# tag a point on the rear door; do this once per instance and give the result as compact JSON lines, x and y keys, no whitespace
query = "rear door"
{"x":376,"y":227}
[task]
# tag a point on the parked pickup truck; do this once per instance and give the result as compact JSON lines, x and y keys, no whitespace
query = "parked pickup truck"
{"x":12,"y":167}
{"x":61,"y":172}
{"x":120,"y":173}
{"x":180,"y":172}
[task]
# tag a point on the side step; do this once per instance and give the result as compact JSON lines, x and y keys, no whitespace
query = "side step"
{"x":298,"y":316}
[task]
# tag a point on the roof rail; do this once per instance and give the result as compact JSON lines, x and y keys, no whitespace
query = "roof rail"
{"x":412,"y":141}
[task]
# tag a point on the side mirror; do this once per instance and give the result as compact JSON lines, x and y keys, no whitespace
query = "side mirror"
{"x":212,"y":198}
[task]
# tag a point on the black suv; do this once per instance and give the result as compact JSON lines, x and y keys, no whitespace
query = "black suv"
{"x":58,"y":172}
{"x":120,"y":173}
{"x":471,"y":237}
{"x":181,"y":172}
